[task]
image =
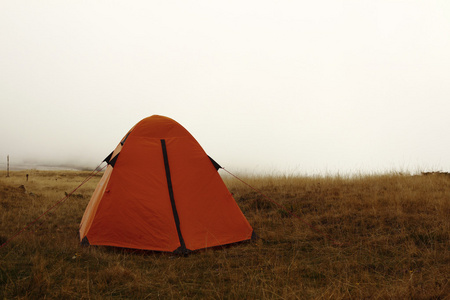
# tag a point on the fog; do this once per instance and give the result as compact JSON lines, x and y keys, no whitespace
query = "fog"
{"x":291,"y":87}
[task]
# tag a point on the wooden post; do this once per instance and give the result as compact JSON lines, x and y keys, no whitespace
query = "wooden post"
{"x":7,"y":166}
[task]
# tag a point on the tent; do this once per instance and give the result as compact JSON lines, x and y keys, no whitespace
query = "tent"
{"x":162,"y":192}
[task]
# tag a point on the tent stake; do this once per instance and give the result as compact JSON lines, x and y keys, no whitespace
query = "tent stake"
{"x":7,"y":166}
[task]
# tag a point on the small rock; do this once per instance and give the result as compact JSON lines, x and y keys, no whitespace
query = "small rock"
{"x":22,"y":188}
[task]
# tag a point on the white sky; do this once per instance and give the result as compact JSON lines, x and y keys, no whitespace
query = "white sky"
{"x":265,"y":86}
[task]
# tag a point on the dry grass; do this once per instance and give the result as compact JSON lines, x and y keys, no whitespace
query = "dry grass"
{"x":393,"y":234}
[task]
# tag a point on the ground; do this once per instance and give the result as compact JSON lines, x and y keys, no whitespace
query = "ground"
{"x":378,"y":237}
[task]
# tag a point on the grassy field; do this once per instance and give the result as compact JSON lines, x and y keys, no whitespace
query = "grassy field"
{"x":377,"y":237}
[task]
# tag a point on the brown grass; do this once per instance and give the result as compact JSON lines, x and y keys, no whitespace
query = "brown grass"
{"x":392,"y":232}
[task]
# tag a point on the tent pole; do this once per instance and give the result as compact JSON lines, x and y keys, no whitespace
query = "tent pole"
{"x":7,"y":166}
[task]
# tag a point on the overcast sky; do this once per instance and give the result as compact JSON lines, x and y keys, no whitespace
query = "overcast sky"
{"x":307,"y":87}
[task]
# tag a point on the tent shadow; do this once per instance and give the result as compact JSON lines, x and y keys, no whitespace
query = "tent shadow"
{"x":143,"y":252}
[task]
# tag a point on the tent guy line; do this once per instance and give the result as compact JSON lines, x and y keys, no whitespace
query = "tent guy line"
{"x":92,"y":174}
{"x":334,"y":241}
{"x":97,"y":170}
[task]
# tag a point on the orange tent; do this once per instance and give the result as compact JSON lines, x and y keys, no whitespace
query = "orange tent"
{"x":162,"y":192}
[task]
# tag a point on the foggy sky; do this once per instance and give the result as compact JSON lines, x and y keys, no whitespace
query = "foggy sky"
{"x":307,"y":87}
